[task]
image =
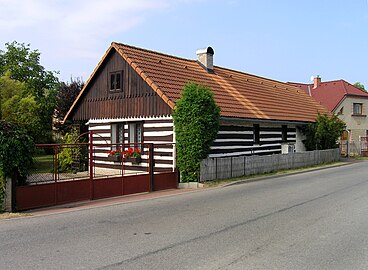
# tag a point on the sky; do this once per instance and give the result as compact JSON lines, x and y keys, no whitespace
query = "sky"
{"x":284,"y":40}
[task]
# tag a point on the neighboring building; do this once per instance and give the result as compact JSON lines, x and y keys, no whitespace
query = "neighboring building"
{"x":345,"y":100}
{"x":130,"y":96}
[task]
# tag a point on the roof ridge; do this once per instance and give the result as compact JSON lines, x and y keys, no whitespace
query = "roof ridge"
{"x":151,"y":51}
{"x":195,"y":61}
{"x":298,"y":83}
{"x":343,"y":85}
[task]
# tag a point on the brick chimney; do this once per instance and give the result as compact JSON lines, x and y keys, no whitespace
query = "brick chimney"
{"x":205,"y":58}
{"x":317,"y":81}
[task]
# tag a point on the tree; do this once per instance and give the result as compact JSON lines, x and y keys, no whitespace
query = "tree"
{"x":21,"y":64}
{"x":67,"y":93}
{"x":324,"y":133}
{"x":19,"y":106}
{"x":196,"y":119}
{"x":360,"y":86}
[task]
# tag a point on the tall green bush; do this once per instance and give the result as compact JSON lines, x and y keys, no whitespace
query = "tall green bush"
{"x":16,"y":148}
{"x":196,"y":120}
{"x":324,"y":133}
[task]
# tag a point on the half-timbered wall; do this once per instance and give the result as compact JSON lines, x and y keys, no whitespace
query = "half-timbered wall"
{"x":156,"y":130}
{"x":236,"y":140}
{"x":135,"y":99}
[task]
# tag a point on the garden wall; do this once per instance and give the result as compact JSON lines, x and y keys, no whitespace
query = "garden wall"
{"x":229,"y":167}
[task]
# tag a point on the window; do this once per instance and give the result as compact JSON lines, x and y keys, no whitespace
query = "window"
{"x":284,"y":133}
{"x":136,"y":134}
{"x":117,"y":135}
{"x":256,"y":134}
{"x":357,"y":108}
{"x":116,"y":81}
{"x":341,"y":111}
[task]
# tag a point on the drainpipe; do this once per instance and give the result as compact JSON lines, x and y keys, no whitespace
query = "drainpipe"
{"x":348,"y":143}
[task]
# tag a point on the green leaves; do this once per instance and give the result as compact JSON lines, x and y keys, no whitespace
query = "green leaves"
{"x":27,"y":90}
{"x":196,"y":121}
{"x":16,"y":149}
{"x":324,"y":133}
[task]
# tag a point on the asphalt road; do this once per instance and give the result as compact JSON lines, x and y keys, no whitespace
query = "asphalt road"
{"x":315,"y":220}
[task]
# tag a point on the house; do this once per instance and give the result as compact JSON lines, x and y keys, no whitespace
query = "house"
{"x":348,"y":102}
{"x":130,"y":96}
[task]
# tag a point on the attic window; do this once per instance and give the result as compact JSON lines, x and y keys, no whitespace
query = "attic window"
{"x":116,"y":81}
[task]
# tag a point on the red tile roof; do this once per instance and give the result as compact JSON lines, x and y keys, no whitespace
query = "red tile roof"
{"x":237,"y":94}
{"x":330,"y":94}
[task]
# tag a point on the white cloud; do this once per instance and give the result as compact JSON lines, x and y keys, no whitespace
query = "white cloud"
{"x":71,"y":29}
{"x":75,"y":24}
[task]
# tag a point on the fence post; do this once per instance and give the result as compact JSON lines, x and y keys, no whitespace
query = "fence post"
{"x":91,"y":165}
{"x":56,"y":171}
{"x":9,"y":203}
{"x":150,"y":165}
{"x":231,"y":167}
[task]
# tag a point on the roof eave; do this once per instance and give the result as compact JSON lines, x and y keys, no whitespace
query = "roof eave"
{"x":257,"y":120}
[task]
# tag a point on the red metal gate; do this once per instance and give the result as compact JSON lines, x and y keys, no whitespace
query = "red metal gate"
{"x":91,"y":174}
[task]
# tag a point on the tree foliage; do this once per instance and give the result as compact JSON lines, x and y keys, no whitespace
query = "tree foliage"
{"x":196,"y":119}
{"x":324,"y":133}
{"x":19,"y":106}
{"x":360,"y":86}
{"x":27,"y":90}
{"x":67,"y":93}
{"x":16,"y":148}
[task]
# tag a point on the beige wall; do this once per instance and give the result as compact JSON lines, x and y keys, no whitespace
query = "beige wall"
{"x":357,"y":124}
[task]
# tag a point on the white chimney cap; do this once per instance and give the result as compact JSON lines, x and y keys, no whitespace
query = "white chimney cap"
{"x":208,"y":50}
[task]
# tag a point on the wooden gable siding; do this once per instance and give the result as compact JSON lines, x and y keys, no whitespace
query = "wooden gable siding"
{"x":137,"y":99}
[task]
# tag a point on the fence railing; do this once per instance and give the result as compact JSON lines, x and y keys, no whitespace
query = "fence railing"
{"x":230,"y":167}
{"x":66,"y":162}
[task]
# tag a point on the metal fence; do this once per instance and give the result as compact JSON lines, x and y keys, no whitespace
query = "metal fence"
{"x":363,"y":144}
{"x":59,"y":162}
{"x":229,"y":167}
{"x":68,"y":162}
{"x":355,"y":148}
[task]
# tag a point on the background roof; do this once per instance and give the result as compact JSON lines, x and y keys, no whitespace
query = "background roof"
{"x":330,"y":94}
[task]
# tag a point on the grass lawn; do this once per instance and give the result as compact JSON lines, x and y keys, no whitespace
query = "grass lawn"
{"x":42,"y":164}
{"x":359,"y":158}
{"x":13,"y":215}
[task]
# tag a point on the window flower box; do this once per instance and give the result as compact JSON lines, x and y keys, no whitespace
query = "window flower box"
{"x":114,"y":158}
{"x":134,"y":160}
{"x":115,"y":155}
{"x":133,"y":155}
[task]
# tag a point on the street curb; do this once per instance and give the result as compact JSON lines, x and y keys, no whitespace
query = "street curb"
{"x":260,"y":178}
{"x":86,"y":206}
{"x":70,"y":208}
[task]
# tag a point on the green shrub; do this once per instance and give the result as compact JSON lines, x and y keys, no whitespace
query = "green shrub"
{"x":16,"y":149}
{"x":70,"y":154}
{"x":196,"y":120}
{"x":324,"y":133}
